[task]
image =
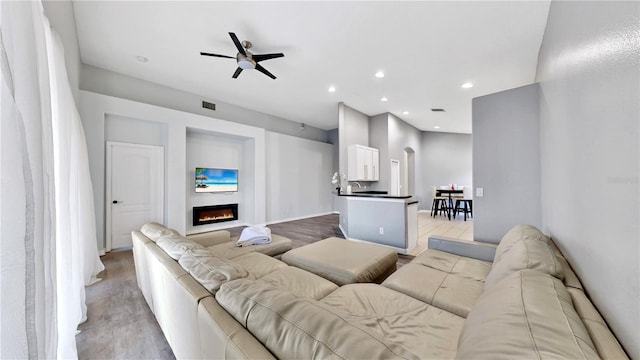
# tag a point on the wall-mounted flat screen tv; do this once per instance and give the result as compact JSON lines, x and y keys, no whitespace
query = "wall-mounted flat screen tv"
{"x":216,"y":180}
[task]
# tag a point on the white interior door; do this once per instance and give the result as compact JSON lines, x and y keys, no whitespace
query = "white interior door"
{"x":135,"y":190}
{"x":395,"y":178}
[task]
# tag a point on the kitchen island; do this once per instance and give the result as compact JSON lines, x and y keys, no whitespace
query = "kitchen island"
{"x":377,"y":217}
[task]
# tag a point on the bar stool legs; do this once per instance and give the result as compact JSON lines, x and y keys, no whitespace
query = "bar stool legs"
{"x":467,"y":208}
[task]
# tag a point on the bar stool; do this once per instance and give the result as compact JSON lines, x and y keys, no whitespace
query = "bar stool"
{"x":464,"y":204}
{"x":439,"y":204}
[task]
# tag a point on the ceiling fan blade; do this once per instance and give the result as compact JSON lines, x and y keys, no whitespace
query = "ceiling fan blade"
{"x":217,"y":55}
{"x":262,"y":57}
{"x":238,"y":44}
{"x":238,"y":71}
{"x":264,"y":71}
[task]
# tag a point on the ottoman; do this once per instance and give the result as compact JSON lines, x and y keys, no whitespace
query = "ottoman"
{"x":344,"y":261}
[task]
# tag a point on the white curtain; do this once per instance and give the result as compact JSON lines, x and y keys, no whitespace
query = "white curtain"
{"x":77,"y":252}
{"x":48,"y":248}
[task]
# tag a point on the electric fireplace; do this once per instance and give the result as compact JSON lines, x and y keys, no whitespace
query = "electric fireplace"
{"x":212,"y":214}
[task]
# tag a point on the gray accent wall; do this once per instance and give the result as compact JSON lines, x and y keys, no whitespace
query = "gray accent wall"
{"x":589,"y":77}
{"x":379,"y":139}
{"x":353,"y":130}
{"x":333,"y":139}
{"x":506,"y":162}
{"x":403,"y":136}
{"x":114,"y":84}
{"x":446,"y":159}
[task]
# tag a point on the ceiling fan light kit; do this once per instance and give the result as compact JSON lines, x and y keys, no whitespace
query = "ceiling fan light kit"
{"x":245,"y":59}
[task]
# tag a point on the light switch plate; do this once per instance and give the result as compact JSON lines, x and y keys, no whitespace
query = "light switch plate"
{"x":479,"y":192}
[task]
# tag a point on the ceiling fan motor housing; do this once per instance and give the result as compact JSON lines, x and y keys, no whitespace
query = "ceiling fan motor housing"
{"x":246,"y":62}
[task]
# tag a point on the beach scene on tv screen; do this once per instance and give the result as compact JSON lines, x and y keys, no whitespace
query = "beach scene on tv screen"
{"x":216,"y":180}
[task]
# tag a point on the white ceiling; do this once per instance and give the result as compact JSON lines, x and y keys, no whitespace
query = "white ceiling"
{"x":427,"y":50}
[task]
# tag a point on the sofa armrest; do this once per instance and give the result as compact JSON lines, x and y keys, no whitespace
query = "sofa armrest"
{"x":471,"y":249}
{"x":211,"y":238}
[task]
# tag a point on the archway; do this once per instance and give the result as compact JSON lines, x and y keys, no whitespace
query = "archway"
{"x":409,"y":181}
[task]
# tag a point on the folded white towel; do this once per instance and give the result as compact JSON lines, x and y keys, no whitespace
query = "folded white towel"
{"x":254,"y":235}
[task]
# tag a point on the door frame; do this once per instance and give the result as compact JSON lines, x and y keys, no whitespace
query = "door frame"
{"x":108,"y":196}
{"x":391,"y":164}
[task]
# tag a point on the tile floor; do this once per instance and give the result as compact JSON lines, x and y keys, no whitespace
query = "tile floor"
{"x":440,"y":225}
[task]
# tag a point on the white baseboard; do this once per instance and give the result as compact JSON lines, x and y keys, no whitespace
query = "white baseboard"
{"x":298,"y":218}
{"x":101,"y":252}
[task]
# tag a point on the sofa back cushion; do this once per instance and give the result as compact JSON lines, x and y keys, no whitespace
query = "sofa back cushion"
{"x":297,"y":328}
{"x":525,"y":254}
{"x":605,"y":342}
{"x":176,"y":245}
{"x":516,"y":234}
{"x":154,"y":231}
{"x":528,"y":315}
{"x":210,"y":271}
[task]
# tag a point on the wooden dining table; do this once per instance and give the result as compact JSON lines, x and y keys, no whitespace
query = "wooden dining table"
{"x":449,"y":192}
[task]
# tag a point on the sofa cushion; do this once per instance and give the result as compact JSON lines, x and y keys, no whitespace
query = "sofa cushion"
{"x":454,"y":264}
{"x":570,"y":277}
{"x":299,"y":328}
{"x":525,"y":254}
{"x":605,"y":342}
{"x":229,"y":250}
{"x":176,"y":245}
{"x":516,"y":234}
{"x":211,"y":238}
{"x":344,"y":261}
{"x":259,"y":264}
{"x":154,"y":231}
{"x":528,"y":315}
{"x":453,"y":293}
{"x":398,"y":320}
{"x":211,"y":271}
{"x":301,"y":283}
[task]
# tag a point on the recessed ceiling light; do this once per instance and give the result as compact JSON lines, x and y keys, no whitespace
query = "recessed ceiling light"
{"x":142,"y":59}
{"x":384,"y":99}
{"x":436,"y":127}
{"x":332,"y":89}
{"x":379,"y":74}
{"x":467,"y":85}
{"x":405,"y":113}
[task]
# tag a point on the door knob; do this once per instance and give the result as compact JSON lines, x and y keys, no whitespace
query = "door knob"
{"x":115,"y":201}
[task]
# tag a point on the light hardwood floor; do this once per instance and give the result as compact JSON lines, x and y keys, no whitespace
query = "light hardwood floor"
{"x":120,"y":324}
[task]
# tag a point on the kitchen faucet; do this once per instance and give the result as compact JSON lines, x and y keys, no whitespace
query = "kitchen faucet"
{"x":357,"y":183}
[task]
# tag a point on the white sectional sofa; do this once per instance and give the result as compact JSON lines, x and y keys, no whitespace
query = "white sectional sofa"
{"x":458,"y":299}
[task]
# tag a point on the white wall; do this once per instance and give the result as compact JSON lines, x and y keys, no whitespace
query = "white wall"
{"x":589,"y":118}
{"x":446,"y":159}
{"x":299,"y":175}
{"x":95,"y":108}
{"x":506,"y":162}
{"x":209,"y":150}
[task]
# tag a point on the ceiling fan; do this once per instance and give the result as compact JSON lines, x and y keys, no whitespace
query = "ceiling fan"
{"x":245,"y":59}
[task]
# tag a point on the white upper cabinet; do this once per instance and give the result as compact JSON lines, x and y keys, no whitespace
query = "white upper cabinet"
{"x":363,"y":163}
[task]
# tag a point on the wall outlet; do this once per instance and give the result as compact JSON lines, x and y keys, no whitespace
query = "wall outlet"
{"x":479,"y":192}
{"x":381,"y":230}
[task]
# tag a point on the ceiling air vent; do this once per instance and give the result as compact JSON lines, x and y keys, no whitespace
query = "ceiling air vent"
{"x":208,"y":105}
{"x":437,"y":110}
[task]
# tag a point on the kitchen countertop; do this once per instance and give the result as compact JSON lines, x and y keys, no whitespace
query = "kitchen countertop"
{"x":383,"y":196}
